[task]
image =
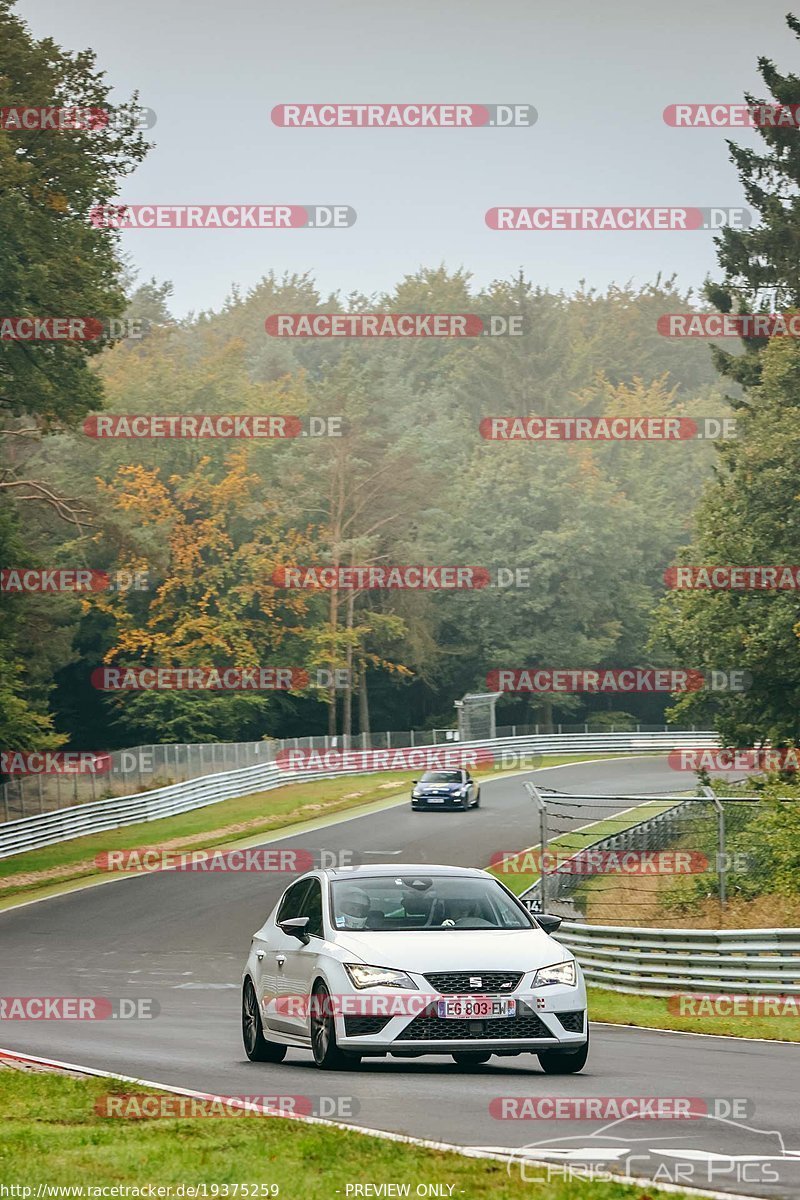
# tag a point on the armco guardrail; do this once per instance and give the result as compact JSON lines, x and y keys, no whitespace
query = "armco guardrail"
{"x":660,"y":962}
{"x":48,"y":828}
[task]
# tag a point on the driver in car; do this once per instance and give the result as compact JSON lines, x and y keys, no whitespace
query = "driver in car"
{"x":354,"y":907}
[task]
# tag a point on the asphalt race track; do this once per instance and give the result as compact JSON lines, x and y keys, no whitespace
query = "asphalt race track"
{"x":182,"y":937}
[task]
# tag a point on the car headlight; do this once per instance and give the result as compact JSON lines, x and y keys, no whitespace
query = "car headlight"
{"x":415,"y":795}
{"x":563,"y":972}
{"x":365,"y":977}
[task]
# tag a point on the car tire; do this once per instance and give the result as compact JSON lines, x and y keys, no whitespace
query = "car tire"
{"x":564,"y":1062}
{"x":327,"y":1055}
{"x":256,"y":1046}
{"x":471,"y":1058}
{"x":477,"y":803}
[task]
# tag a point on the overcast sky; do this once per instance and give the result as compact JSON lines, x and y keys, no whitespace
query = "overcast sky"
{"x":599,"y":75}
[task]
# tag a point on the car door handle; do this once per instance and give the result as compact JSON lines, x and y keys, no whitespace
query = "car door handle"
{"x":280,"y":959}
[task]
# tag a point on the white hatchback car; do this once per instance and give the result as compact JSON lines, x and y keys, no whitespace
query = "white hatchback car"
{"x":411,"y":960}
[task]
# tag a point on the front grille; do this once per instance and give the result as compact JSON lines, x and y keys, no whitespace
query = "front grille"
{"x":572,"y":1021}
{"x":458,"y":982}
{"x":364,"y":1026}
{"x":427,"y":1027}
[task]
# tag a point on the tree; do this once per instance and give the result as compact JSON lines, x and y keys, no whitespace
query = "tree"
{"x":53,"y":262}
{"x":762,"y":263}
{"x":214,"y":605}
{"x":749,"y":515}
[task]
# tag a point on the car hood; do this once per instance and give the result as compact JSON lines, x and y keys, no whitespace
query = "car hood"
{"x":438,"y":787}
{"x":454,"y":950}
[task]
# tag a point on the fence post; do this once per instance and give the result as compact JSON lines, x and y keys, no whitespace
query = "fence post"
{"x":388,"y":739}
{"x":722,"y":866}
{"x":412,"y":743}
{"x":536,"y":797}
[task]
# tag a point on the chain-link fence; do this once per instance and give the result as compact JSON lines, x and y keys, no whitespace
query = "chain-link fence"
{"x":704,"y":862}
{"x":139,"y":768}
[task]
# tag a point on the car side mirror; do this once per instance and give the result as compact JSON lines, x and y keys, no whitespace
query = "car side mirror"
{"x":547,"y":922}
{"x":415,"y":781}
{"x":297,"y":927}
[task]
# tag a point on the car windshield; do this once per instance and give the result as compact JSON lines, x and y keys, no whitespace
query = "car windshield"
{"x":425,"y":902}
{"x":441,"y":777}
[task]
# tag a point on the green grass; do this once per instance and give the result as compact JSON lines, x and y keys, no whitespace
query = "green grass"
{"x":50,"y":1134}
{"x":619,"y":1008}
{"x":46,"y":871}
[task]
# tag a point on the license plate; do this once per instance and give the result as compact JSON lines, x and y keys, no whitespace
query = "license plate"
{"x":476,"y":1007}
{"x":435,"y":799}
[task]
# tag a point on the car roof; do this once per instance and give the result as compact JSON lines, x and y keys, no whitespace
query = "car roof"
{"x":397,"y":869}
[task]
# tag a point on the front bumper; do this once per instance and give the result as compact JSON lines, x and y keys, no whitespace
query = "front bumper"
{"x":440,"y":802}
{"x":543,"y":1021}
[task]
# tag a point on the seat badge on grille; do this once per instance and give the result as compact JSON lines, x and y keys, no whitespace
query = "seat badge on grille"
{"x":540,"y":1001}
{"x":475,"y":981}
